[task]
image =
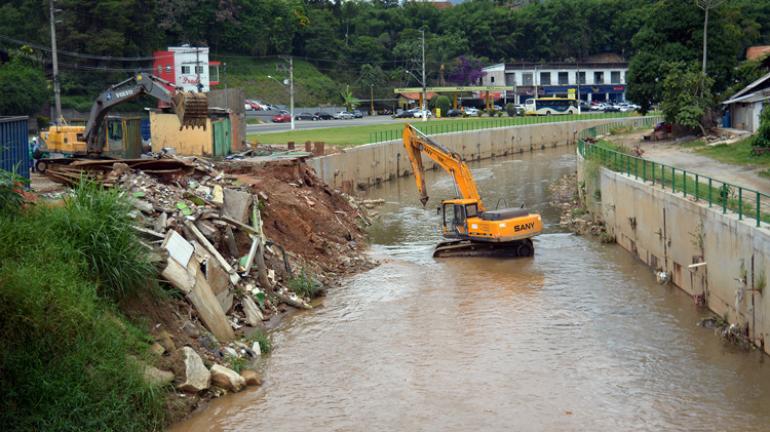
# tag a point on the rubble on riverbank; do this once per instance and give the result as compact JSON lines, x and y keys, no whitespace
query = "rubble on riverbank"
{"x":574,"y":215}
{"x":241,"y":243}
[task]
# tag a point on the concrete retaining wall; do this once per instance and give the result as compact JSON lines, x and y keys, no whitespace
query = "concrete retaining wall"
{"x":373,"y":163}
{"x":669,"y":233}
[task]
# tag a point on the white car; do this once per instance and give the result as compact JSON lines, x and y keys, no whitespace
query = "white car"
{"x":473,"y":112}
{"x":344,"y":115}
{"x":421,"y":114}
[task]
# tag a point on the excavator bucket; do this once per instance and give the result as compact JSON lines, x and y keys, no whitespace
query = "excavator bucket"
{"x":191,"y":108}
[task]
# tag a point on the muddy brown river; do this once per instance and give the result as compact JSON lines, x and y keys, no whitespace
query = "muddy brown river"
{"x":579,"y":338}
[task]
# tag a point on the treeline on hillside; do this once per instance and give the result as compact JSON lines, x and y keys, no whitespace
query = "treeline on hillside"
{"x":371,"y":44}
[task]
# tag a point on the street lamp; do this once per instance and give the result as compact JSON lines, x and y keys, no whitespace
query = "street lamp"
{"x":422,"y":84}
{"x":291,"y":96}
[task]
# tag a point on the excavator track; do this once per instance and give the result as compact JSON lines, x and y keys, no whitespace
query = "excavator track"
{"x":466,"y":248}
{"x":191,"y":108}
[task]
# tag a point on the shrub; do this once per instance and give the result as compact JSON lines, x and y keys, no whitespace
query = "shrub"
{"x":762,"y":139}
{"x":510,"y":109}
{"x":304,"y":285}
{"x":259,"y":336}
{"x":10,"y":186}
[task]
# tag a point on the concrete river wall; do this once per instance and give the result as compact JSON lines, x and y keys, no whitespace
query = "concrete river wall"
{"x":678,"y":235}
{"x":373,"y":163}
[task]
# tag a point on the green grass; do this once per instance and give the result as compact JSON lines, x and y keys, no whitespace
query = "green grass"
{"x":262,"y":338}
{"x":693,"y":144}
{"x":304,"y":285}
{"x":64,"y":362}
{"x":311,"y":86}
{"x":737,"y":154}
{"x":355,"y":135}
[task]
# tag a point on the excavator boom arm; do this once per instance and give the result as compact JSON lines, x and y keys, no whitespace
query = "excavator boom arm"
{"x":416,"y":143}
{"x":192,"y":109}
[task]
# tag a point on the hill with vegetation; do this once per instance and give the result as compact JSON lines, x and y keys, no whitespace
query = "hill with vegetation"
{"x":311,"y":86}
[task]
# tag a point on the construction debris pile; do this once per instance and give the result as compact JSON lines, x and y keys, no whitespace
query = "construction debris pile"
{"x":239,"y":240}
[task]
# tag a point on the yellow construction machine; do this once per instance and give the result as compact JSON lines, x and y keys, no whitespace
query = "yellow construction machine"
{"x":470,"y":228}
{"x":90,"y":140}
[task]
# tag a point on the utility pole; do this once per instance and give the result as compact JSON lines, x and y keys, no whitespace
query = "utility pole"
{"x":535,"y":80}
{"x":577,"y":80}
{"x":424,"y":114}
{"x":371,"y":99}
{"x":706,"y":5}
{"x":198,"y":69}
{"x":291,"y":90}
{"x":55,"y":60}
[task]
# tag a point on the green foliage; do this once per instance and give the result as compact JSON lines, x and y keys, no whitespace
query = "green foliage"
{"x":350,"y":101}
{"x":510,"y":108}
{"x":304,"y":285}
{"x":762,"y":138}
{"x":23,"y":89}
{"x":237,"y":363}
{"x":99,"y":227}
{"x":263,"y":339}
{"x":10,"y":184}
{"x":441,"y":102}
{"x":65,"y":349}
{"x":687,"y":96}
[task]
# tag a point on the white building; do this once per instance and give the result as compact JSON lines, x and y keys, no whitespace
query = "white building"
{"x":188,"y":67}
{"x":601,"y":78}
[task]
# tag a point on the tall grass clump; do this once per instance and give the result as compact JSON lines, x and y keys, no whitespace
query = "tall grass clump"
{"x":305,"y":285}
{"x":99,"y":226}
{"x":65,"y":350}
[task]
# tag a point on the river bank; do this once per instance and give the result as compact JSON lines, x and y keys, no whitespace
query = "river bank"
{"x":189,"y":263}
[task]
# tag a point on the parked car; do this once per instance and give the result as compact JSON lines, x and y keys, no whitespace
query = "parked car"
{"x":473,"y":112}
{"x":281,"y":117}
{"x":305,"y":116}
{"x":344,"y":115}
{"x":454,"y":113}
{"x":423,"y":113}
{"x":611,"y":108}
{"x":663,"y":127}
{"x":585,"y":106}
{"x":405,"y":114}
{"x":358,"y":114}
{"x":520,"y":109}
{"x":324,"y":116}
{"x":385,"y":111}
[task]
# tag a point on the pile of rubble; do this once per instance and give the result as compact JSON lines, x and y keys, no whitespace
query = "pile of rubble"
{"x":233,"y":238}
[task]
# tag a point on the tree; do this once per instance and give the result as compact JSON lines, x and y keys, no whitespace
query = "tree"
{"x":687,"y":99}
{"x":466,"y":71}
{"x":350,"y":101}
{"x":441,"y":102}
{"x":24,"y":89}
{"x":762,"y":139}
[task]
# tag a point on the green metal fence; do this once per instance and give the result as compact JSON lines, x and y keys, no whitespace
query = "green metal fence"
{"x":450,"y":125}
{"x":720,"y":195}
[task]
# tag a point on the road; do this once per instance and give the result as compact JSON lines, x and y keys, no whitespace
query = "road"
{"x":320,"y":124}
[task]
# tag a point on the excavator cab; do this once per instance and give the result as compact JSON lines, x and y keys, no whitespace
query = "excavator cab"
{"x":455,"y":215}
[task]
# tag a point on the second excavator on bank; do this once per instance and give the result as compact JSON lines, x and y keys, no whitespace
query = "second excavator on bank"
{"x":470,"y":229}
{"x":89,"y":141}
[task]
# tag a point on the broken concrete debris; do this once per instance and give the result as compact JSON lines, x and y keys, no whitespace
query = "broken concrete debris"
{"x":196,"y":377}
{"x":227,"y":378}
{"x":231,"y":237}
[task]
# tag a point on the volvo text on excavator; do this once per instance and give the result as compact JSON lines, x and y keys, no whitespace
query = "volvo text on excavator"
{"x":89,"y":141}
{"x":470,"y":229}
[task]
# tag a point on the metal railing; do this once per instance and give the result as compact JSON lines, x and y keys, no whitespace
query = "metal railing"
{"x":720,"y":195}
{"x":451,"y":125}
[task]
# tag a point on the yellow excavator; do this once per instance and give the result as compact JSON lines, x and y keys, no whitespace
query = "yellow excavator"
{"x":470,"y":229}
{"x":89,"y":141}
